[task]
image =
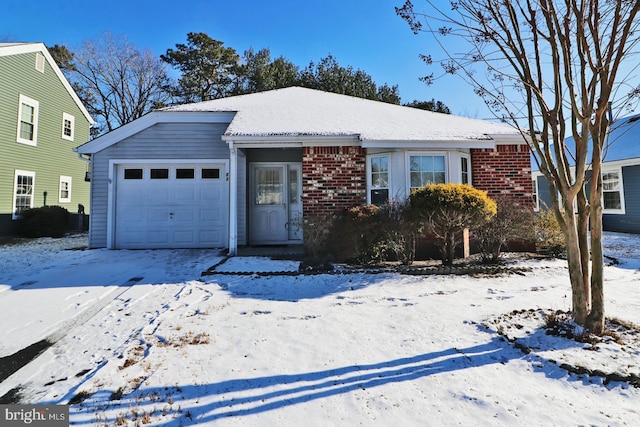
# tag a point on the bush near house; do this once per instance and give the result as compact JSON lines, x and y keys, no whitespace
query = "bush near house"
{"x":371,"y":234}
{"x":357,"y":236}
{"x":400,"y":230}
{"x":46,"y":221}
{"x":316,"y":231}
{"x":512,"y":223}
{"x":444,"y":210}
{"x":549,"y":237}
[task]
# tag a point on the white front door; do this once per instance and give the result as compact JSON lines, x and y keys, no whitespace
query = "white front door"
{"x":276,"y":207}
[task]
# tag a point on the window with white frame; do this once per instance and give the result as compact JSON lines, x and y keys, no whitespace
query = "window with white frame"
{"x":465,"y":174}
{"x":64,"y":195}
{"x":534,"y":191}
{"x":426,"y":169}
{"x":379,"y":175}
{"x":28,"y":121}
{"x":23,"y":186}
{"x":612,"y":194}
{"x":68,"y":124}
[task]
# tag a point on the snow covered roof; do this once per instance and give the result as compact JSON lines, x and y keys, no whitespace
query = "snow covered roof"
{"x":297,"y":111}
{"x":624,"y":139}
{"x":7,"y":44}
{"x":622,"y":146}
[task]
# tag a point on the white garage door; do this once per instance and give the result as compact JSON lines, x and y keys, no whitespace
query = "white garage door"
{"x":171,"y":206}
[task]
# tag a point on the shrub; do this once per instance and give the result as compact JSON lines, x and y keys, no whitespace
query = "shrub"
{"x":316,"y":230}
{"x":549,"y":236}
{"x":398,"y":226}
{"x":446,"y":209}
{"x":512,"y":222}
{"x":371,"y":234}
{"x":47,"y":221}
{"x":357,"y":236}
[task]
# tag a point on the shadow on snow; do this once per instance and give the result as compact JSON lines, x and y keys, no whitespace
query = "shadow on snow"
{"x":195,"y":404}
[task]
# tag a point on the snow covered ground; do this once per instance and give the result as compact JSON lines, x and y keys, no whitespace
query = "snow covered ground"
{"x":140,"y":338}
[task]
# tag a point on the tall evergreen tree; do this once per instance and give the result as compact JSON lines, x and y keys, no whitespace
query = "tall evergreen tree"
{"x":259,"y":72}
{"x":330,"y":76}
{"x":433,"y":105}
{"x":209,"y":69}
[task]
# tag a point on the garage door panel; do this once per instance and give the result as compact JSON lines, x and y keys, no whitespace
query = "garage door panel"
{"x":182,"y":217}
{"x":211,"y":236}
{"x":157,"y":214}
{"x":212,"y":216}
{"x":158,"y":236}
{"x":156,"y":196}
{"x":131,"y":238}
{"x":135,"y":216}
{"x":187,"y":195}
{"x":182,"y":237}
{"x":171,"y":212}
{"x":211,"y":195}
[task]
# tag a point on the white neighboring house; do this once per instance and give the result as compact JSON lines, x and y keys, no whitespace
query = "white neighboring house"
{"x":246,"y":170}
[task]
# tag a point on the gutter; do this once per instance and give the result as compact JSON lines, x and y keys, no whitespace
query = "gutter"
{"x":81,"y":156}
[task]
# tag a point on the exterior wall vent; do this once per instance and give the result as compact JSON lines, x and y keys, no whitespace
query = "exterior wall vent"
{"x":40,"y":62}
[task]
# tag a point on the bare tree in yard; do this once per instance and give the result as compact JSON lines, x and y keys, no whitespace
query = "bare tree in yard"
{"x":555,"y":63}
{"x":121,"y":82}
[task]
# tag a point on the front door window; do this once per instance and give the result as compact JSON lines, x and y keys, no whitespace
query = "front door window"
{"x":276,"y":210}
{"x":295,"y":202}
{"x":269,"y":186}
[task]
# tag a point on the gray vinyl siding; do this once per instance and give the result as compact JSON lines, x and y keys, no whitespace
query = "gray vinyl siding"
{"x":53,"y":155}
{"x":630,"y":221}
{"x":161,"y":141}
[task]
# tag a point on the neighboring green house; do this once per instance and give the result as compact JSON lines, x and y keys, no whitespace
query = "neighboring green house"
{"x":41,"y":121}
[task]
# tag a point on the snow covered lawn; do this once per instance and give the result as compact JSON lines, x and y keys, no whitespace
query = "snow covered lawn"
{"x":140,"y":338}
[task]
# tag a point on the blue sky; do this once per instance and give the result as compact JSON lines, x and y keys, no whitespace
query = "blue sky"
{"x":365,"y":34}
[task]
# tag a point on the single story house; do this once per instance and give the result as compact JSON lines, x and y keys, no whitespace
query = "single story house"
{"x":620,"y":175}
{"x":248,"y":170}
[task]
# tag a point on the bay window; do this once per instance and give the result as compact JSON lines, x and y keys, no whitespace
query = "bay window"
{"x":426,"y":169}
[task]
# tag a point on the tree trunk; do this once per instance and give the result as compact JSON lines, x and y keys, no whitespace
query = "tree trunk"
{"x":448,"y":249}
{"x":596,"y":318}
{"x":583,"y":241}
{"x":574,"y":260}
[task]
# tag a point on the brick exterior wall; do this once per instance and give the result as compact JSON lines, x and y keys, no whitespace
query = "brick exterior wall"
{"x":505,"y":170}
{"x":333,"y":178}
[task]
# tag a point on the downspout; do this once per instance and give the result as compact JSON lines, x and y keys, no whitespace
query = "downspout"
{"x":233,"y":199}
{"x":87,"y":176}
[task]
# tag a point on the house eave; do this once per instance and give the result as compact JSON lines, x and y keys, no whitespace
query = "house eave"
{"x":149,"y":120}
{"x":284,"y":141}
{"x":429,"y":144}
{"x":508,"y":138}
